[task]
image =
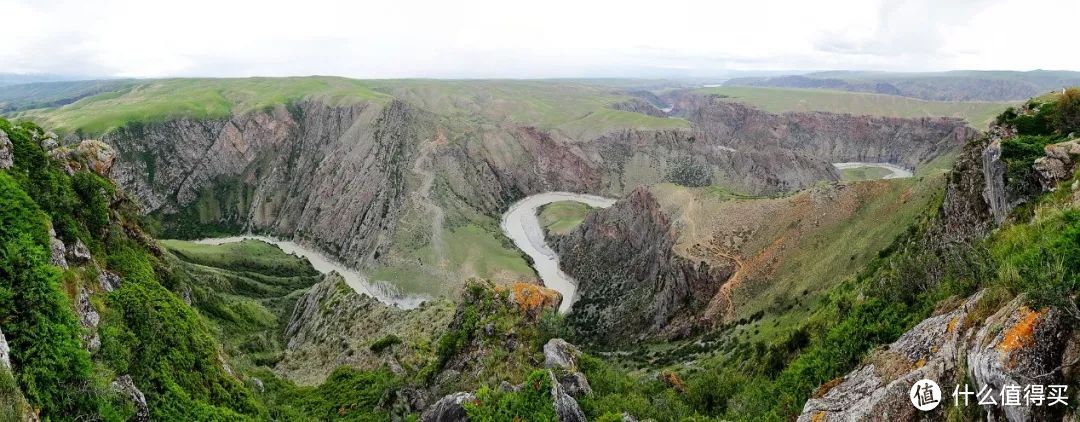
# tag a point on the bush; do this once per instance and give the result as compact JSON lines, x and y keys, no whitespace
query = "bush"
{"x":382,"y":344}
{"x":531,"y":403}
{"x":1067,"y":111}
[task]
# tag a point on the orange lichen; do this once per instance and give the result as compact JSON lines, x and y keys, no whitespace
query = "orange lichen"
{"x":919,"y":363}
{"x":1021,"y":334}
{"x":952,"y":325}
{"x":824,"y":389}
{"x":531,"y":297}
{"x":818,"y":417}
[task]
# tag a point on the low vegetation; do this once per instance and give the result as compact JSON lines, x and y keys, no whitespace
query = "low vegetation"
{"x":562,"y":217}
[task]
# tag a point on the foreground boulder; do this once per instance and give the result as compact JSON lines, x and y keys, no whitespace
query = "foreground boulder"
{"x":448,"y":409}
{"x":1058,"y":164}
{"x":1012,"y":348}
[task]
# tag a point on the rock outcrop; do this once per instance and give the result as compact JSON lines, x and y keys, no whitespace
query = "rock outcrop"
{"x":1058,"y":164}
{"x":57,"y":251}
{"x":332,"y":325}
{"x":89,"y":318}
{"x":126,"y":388}
{"x":450,"y":408}
{"x":7,"y":157}
{"x":561,"y":355}
{"x":631,"y":284}
{"x":1010,"y":349}
{"x":566,"y":408}
{"x":562,"y":358}
{"x":93,"y":155}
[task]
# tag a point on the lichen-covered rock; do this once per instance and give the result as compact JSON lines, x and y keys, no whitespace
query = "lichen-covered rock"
{"x":5,"y":352}
{"x":575,"y":384}
{"x":90,"y":154}
{"x":531,"y":298}
{"x":1058,"y":164}
{"x":558,"y":354}
{"x":126,"y":387}
{"x":57,"y":251}
{"x":994,"y":176}
{"x":110,"y":281}
{"x":89,"y":318}
{"x":78,"y":252}
{"x":879,"y":390}
{"x":566,"y":408}
{"x":1018,"y":346}
{"x":448,"y":409}
{"x":7,"y":153}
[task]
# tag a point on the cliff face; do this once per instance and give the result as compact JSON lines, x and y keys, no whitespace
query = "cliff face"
{"x":631,"y":284}
{"x":331,"y":176}
{"x":634,"y":158}
{"x":387,"y":184}
{"x":832,"y":137}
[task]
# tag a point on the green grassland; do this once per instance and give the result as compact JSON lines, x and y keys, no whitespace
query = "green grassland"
{"x":562,"y":217}
{"x":778,"y":100}
{"x":246,"y":255}
{"x":577,"y":109}
{"x":467,"y":251}
{"x":164,"y":99}
{"x":864,"y":173}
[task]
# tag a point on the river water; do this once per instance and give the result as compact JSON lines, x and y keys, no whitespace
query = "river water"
{"x":897,"y":171}
{"x":384,"y":292}
{"x":520,"y":224}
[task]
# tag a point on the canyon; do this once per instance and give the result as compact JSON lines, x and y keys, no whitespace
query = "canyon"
{"x":386,"y":186}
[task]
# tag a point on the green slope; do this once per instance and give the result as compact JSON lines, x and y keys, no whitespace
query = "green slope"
{"x":579,"y":109}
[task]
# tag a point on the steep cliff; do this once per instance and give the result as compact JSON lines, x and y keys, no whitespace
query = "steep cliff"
{"x":631,"y":283}
{"x":832,"y":137}
{"x":667,"y":260}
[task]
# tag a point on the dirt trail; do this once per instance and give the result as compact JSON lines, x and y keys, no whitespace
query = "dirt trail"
{"x":424,"y":168}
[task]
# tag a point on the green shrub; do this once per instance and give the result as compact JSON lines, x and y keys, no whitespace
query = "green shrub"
{"x":384,"y":343}
{"x":1067,"y":111}
{"x":532,"y":403}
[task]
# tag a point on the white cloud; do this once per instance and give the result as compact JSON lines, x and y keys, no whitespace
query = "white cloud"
{"x":557,"y":38}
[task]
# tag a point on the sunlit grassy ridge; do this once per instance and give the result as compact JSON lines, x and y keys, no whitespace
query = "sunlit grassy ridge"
{"x":576,"y":109}
{"x":164,"y":99}
{"x":778,"y":100}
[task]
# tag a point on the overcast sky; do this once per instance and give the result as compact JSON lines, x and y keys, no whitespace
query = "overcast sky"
{"x":550,"y":38}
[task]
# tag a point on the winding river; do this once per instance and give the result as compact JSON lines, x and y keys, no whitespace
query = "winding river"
{"x":520,"y":224}
{"x":384,"y":292}
{"x":897,"y":172}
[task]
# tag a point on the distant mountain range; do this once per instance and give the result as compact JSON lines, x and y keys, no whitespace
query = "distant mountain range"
{"x":959,"y":85}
